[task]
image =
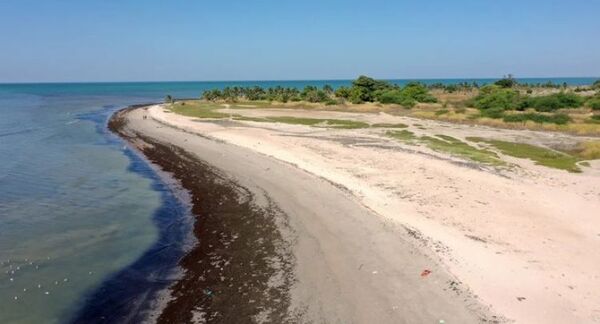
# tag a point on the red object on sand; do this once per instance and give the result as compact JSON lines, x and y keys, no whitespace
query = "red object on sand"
{"x":425,"y":273}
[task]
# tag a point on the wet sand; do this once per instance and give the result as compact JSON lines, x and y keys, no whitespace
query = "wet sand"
{"x":278,"y":244}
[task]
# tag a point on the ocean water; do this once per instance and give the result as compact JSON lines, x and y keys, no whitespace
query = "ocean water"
{"x":84,"y":221}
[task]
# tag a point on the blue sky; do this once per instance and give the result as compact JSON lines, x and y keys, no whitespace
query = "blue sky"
{"x":128,"y":40}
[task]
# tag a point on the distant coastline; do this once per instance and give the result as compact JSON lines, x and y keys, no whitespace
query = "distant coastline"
{"x":574,"y":81}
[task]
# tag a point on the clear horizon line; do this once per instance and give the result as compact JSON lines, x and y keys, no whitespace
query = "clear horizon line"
{"x":295,"y":80}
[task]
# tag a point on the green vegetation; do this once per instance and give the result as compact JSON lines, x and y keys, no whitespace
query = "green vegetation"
{"x":506,"y":82}
{"x":540,"y":155}
{"x":552,"y":102}
{"x":363,"y":89}
{"x":388,"y":125}
{"x":594,"y":103}
{"x":559,"y":119}
{"x":208,"y":110}
{"x":595,"y":119}
{"x":451,"y":88}
{"x":449,"y":145}
{"x":454,"y":146}
{"x":402,"y":135}
{"x":334,"y":123}
{"x":493,"y":100}
{"x":197,"y":110}
{"x":408,"y":96}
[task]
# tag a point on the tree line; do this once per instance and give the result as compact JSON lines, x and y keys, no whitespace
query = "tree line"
{"x":363,"y":89}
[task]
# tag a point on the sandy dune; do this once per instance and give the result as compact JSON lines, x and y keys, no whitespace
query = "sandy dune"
{"x":525,"y":241}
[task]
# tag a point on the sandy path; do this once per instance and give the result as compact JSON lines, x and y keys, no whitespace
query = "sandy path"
{"x":351,"y":267}
{"x":526,"y":241}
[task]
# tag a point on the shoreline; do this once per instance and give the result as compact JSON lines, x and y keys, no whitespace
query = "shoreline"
{"x":303,"y":279}
{"x":133,"y":293}
{"x":219,"y":240}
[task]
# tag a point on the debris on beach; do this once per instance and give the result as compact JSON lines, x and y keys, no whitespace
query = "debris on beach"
{"x":425,"y":273}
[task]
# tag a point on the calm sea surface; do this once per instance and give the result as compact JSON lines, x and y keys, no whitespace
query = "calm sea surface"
{"x":84,"y":222}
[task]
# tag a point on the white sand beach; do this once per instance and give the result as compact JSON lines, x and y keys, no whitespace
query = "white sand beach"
{"x":370,"y":214}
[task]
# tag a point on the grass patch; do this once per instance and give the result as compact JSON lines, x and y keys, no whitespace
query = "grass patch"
{"x":197,"y":109}
{"x":441,"y":112}
{"x":449,"y":145}
{"x":456,"y":147}
{"x":559,"y":119}
{"x":402,"y":135}
{"x":334,"y":123}
{"x":540,"y":155}
{"x":388,"y":125}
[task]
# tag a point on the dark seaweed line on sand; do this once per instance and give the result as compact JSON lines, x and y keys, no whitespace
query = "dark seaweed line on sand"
{"x":228,"y":275}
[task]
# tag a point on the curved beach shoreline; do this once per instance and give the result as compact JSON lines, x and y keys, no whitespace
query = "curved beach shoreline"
{"x":278,"y":244}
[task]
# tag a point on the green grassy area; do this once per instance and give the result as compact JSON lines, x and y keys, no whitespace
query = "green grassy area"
{"x":208,"y":110}
{"x":334,"y":123}
{"x":388,"y":125}
{"x":197,"y":109}
{"x":449,"y":145}
{"x":403,"y":135}
{"x":456,"y":147}
{"x":540,"y":155}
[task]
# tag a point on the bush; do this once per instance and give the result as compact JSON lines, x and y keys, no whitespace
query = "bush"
{"x":506,"y":82}
{"x":496,"y":99}
{"x":396,"y":97}
{"x":342,"y":92}
{"x":594,"y":103}
{"x":408,"y":96}
{"x":554,"y":102}
{"x":596,"y":84}
{"x":364,"y":88}
{"x":559,"y":119}
{"x":418,"y":92}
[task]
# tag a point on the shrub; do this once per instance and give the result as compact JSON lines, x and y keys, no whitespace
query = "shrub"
{"x":331,"y":102}
{"x":396,"y":97}
{"x":554,"y":102}
{"x":342,"y":92}
{"x":594,"y":103}
{"x":418,"y":92}
{"x":506,"y":82}
{"x":364,"y":88}
{"x":408,"y":96}
{"x":559,"y":119}
{"x":596,"y":84}
{"x":496,"y":99}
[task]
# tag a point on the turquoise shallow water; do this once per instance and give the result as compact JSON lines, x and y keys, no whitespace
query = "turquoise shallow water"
{"x":84,"y":222}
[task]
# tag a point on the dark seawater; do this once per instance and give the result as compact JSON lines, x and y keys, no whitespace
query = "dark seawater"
{"x":84,"y":221}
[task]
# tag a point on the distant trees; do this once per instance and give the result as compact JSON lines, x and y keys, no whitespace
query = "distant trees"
{"x":493,"y":101}
{"x":363,"y":89}
{"x":507,"y":82}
